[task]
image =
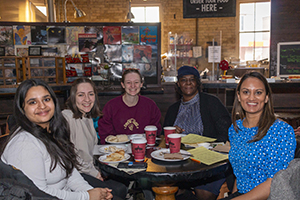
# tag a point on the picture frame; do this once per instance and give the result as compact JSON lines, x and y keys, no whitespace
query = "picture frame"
{"x":35,"y":51}
{"x":2,"y":51}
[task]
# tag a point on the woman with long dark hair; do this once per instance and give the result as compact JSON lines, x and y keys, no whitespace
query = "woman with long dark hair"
{"x":261,"y":145}
{"x":40,"y":145}
{"x":82,"y":106}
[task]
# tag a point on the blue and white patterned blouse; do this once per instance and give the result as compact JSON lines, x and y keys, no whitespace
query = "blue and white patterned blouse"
{"x":254,"y":162}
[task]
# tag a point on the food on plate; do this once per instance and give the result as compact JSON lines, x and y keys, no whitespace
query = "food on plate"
{"x":117,"y":156}
{"x":112,"y":149}
{"x":111,"y":138}
{"x":173,"y":156}
{"x":117,"y":138}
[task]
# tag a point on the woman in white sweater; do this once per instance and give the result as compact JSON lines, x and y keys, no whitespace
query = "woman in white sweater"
{"x":82,"y":106}
{"x":40,"y":145}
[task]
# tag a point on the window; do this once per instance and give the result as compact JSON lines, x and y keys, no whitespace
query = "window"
{"x":254,"y":31}
{"x":145,"y":14}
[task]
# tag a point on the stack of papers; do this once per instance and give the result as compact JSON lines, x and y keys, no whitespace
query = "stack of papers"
{"x":193,"y":139}
{"x":206,"y":156}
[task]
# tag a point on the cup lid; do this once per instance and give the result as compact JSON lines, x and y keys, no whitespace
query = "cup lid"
{"x":174,"y":135}
{"x":169,"y":128}
{"x":150,"y":128}
{"x":138,"y":140}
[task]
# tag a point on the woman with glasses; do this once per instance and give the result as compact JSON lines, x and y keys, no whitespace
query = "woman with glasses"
{"x":131,"y":112}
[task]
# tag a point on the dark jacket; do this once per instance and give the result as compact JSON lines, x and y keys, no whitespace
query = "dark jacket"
{"x":14,"y":185}
{"x":215,"y":117}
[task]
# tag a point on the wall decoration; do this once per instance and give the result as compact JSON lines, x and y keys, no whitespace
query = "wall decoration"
{"x":38,"y":35}
{"x":87,"y":42}
{"x":35,"y":51}
{"x":127,"y":53}
{"x":56,"y":34}
{"x":98,"y":30}
{"x":49,"y":51}
{"x":112,"y":34}
{"x":72,"y":34}
{"x":113,"y":53}
{"x":21,"y":51}
{"x":130,"y":35}
{"x":109,"y":47}
{"x":22,"y":35}
{"x":142,"y":54}
{"x":148,"y":34}
{"x":6,"y":35}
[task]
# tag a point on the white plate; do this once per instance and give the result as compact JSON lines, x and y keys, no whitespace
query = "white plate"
{"x":157,"y":155}
{"x":117,"y":142}
{"x":105,"y":148}
{"x":102,"y":158}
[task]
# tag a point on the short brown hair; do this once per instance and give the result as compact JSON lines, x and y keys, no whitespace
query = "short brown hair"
{"x":131,"y":70}
{"x":71,"y":101}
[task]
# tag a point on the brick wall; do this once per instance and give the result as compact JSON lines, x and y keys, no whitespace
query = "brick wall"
{"x":171,"y":20}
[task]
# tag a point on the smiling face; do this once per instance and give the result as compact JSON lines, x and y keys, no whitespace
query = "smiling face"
{"x":252,"y":96}
{"x":132,"y":84}
{"x":85,"y":97}
{"x":188,"y":86}
{"x":39,"y":106}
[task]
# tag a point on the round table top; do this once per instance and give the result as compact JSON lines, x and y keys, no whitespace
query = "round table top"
{"x":163,"y":172}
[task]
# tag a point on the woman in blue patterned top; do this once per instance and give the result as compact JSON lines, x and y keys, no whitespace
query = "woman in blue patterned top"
{"x":261,"y":145}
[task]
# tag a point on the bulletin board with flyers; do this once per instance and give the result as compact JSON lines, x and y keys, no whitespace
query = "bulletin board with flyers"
{"x":91,"y":49}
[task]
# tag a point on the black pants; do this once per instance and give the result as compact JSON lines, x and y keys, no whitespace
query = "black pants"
{"x":236,"y":194}
{"x":119,"y":190}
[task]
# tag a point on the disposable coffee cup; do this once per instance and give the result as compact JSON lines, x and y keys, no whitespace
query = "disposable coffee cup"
{"x":174,"y":142}
{"x":168,"y":130}
{"x":150,"y":134}
{"x":138,"y":149}
{"x":135,"y":136}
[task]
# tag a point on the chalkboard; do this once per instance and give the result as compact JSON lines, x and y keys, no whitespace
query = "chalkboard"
{"x":288,"y":59}
{"x":208,"y":8}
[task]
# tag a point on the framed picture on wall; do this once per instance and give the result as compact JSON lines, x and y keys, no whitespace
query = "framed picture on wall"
{"x":35,"y":51}
{"x":2,"y":51}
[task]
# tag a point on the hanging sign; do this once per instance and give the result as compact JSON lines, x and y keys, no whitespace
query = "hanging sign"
{"x":214,"y":54}
{"x":208,"y":8}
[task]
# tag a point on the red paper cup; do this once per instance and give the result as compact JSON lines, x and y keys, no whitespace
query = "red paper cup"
{"x":150,"y":134}
{"x":135,"y":136}
{"x":138,"y":149}
{"x":168,"y":130}
{"x":174,"y":142}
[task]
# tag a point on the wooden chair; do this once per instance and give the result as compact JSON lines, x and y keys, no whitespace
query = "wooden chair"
{"x":223,"y":191}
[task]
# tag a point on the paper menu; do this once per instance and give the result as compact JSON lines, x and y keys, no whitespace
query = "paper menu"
{"x":206,"y":156}
{"x":193,"y":138}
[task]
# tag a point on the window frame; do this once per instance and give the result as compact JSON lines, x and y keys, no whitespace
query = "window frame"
{"x":148,"y":5}
{"x":238,"y":24}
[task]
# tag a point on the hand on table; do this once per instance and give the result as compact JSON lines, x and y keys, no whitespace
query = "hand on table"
{"x":297,"y":131}
{"x":179,"y":130}
{"x":100,"y":194}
